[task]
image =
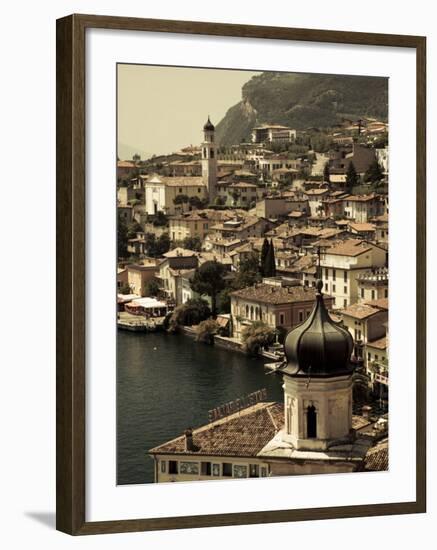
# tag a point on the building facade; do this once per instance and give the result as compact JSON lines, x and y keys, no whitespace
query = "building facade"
{"x":346,"y":262}
{"x":274,"y":304}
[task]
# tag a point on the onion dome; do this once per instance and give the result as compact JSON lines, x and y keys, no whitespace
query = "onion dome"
{"x":319,"y":346}
{"x":209,"y":126}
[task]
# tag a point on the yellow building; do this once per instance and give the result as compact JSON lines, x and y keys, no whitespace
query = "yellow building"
{"x":275,"y":305}
{"x":191,"y":224}
{"x":139,"y":275}
{"x":344,"y":263}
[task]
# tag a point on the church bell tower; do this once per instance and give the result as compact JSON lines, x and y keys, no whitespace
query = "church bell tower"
{"x":318,"y":382}
{"x":209,"y":160}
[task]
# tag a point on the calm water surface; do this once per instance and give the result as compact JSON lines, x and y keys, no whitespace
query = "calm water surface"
{"x":167,"y":383}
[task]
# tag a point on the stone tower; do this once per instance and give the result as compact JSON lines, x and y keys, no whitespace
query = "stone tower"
{"x":318,"y":382}
{"x":209,"y":160}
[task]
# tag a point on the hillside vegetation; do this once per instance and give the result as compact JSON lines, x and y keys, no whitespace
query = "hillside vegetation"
{"x":302,"y":101}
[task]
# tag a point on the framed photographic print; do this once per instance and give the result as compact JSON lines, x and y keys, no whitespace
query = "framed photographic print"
{"x":240,"y":262}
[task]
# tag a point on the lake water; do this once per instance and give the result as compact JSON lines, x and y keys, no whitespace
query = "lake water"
{"x":167,"y":383}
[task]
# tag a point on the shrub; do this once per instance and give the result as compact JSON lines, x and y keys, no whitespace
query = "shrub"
{"x":191,"y":313}
{"x":257,"y":336}
{"x":206,"y":330}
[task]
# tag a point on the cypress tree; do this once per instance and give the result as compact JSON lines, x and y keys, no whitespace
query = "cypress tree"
{"x":326,"y":173}
{"x":351,"y":177}
{"x":269,"y":265}
{"x":272,"y":260}
{"x":264,"y":252}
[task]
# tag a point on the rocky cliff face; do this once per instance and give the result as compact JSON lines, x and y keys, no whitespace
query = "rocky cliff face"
{"x":303,"y":101}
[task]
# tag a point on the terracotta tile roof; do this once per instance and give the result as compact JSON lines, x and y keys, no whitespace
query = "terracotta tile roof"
{"x":177,"y":181}
{"x":240,"y":434}
{"x":316,"y":191}
{"x":179,"y":252}
{"x":266,"y":293}
{"x":362,"y":226}
{"x":243,"y":185}
{"x":377,"y":457}
{"x":360,"y":311}
{"x":139,"y":267}
{"x":382,"y":218}
{"x":184,"y":181}
{"x":296,"y":214}
{"x":303,"y":263}
{"x":350,"y":247}
{"x":361,"y":198}
{"x":381,"y":303}
{"x":381,"y":343}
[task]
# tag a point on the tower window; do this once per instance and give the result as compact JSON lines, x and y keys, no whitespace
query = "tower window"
{"x":212,"y":153}
{"x":311,"y":422}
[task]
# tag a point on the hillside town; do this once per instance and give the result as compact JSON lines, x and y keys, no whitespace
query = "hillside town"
{"x":258,"y":248}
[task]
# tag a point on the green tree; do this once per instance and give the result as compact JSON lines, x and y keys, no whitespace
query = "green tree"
{"x":235,"y":196}
{"x":220,"y":201}
{"x":256,"y":336}
{"x":196,"y":202}
{"x":125,"y":289}
{"x":162,"y":244}
{"x":209,"y":280}
{"x":264,"y":252}
{"x":122,"y":237}
{"x":206,"y":330}
{"x":270,"y":263}
{"x":326,"y":173}
{"x":157,"y":246}
{"x":352,"y":178}
{"x":192,"y":243}
{"x":181,"y":199}
{"x":160,"y":219}
{"x":133,"y":229}
{"x":248,"y":273}
{"x":151,"y":288}
{"x":320,"y":209}
{"x":191,"y":313}
{"x":374,"y":173}
{"x":224,"y":300}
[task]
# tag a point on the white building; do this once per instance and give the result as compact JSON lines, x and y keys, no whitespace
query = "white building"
{"x":273,"y":133}
{"x":343,"y":265}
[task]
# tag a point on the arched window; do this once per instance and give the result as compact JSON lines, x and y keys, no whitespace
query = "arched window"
{"x":247,"y":311}
{"x":251,"y":312}
{"x":311,"y":422}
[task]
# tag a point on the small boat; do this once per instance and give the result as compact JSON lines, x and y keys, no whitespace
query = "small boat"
{"x":273,"y":367}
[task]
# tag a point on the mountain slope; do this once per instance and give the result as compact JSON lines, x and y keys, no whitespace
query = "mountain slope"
{"x":302,"y":101}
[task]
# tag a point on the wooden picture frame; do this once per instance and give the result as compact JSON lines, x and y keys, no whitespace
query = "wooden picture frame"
{"x":71,"y":247}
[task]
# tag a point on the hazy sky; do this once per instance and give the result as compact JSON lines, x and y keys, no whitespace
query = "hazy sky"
{"x":161,"y":109}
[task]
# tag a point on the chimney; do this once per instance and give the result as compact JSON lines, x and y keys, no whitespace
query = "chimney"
{"x":189,"y":445}
{"x":366,"y":410}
